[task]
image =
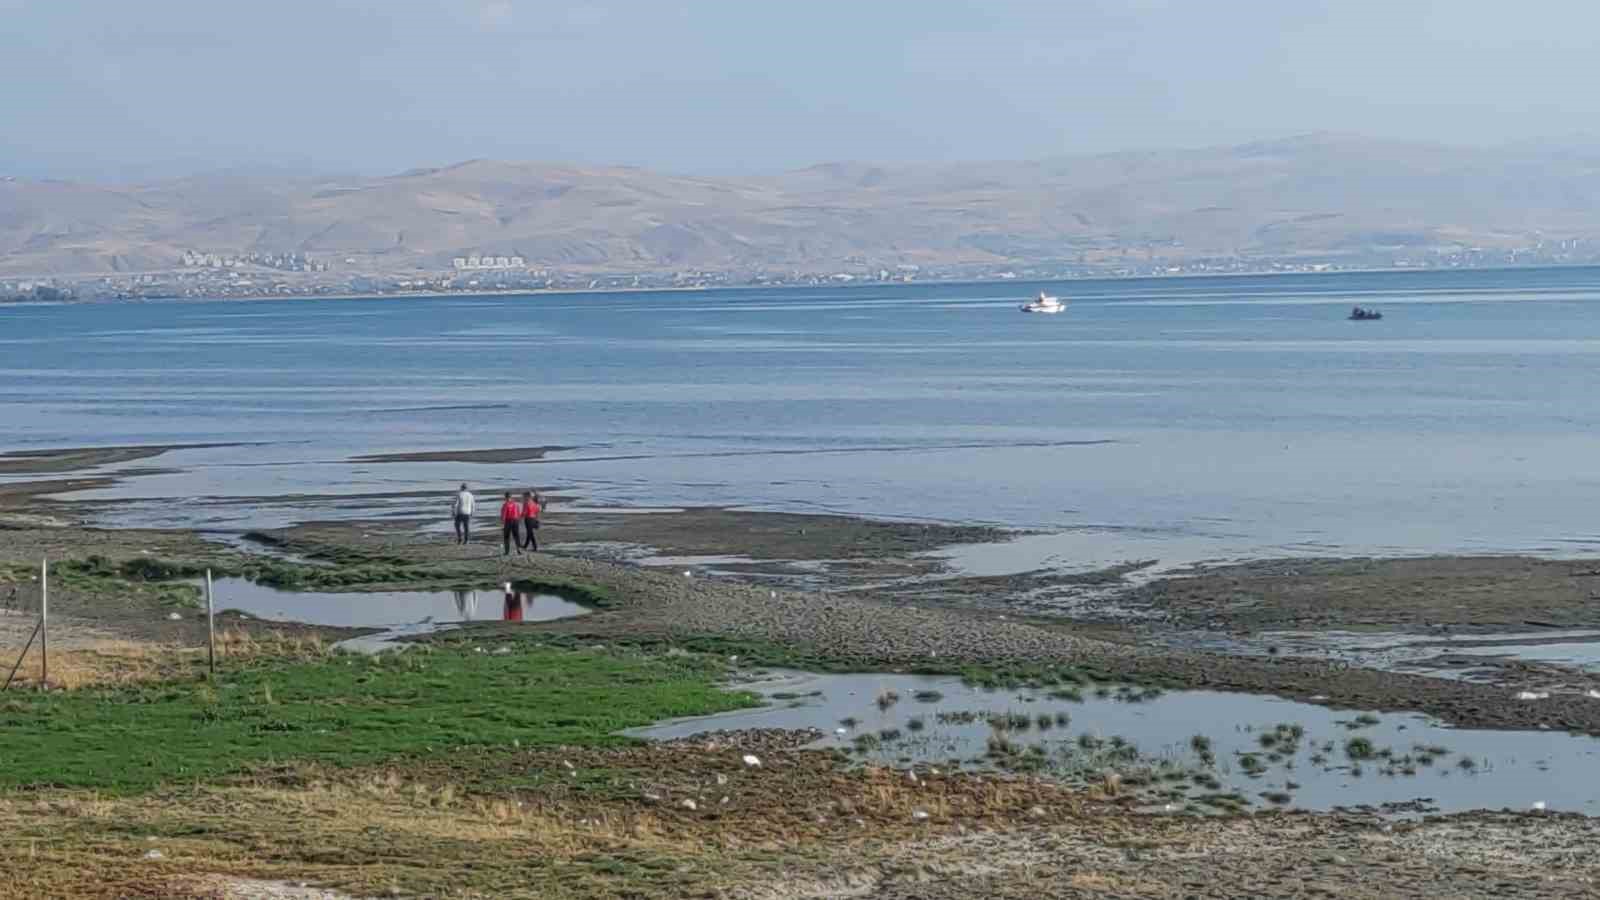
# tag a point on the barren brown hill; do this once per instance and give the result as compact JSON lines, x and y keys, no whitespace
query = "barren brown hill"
{"x":1317,"y":195}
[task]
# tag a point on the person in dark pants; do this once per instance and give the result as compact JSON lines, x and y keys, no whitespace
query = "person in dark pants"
{"x":510,"y":515}
{"x":461,"y":512}
{"x":530,"y":520}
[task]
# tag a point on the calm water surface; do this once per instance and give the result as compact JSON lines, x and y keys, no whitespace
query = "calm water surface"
{"x":1177,"y":419}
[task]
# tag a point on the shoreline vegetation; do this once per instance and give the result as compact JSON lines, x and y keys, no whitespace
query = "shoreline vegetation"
{"x":486,"y":761}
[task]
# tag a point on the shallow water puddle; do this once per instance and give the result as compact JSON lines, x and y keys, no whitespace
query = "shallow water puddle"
{"x":389,"y":609}
{"x":1191,"y":745}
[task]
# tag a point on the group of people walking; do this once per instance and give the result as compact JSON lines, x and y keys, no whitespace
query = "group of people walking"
{"x":519,"y":519}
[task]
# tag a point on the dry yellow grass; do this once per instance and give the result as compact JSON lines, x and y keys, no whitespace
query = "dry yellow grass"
{"x":428,"y":828}
{"x":363,"y":834}
{"x":111,"y":661}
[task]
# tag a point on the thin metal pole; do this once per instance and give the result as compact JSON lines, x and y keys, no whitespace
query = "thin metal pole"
{"x":25,"y":648}
{"x":211,"y":627}
{"x":44,"y":623}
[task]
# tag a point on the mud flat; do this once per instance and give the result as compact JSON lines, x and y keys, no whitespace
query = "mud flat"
{"x":489,"y":455}
{"x":73,"y":459}
{"x":1459,"y":593}
{"x":862,"y":629}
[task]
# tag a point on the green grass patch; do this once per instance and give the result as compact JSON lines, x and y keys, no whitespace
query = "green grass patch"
{"x":347,"y":710}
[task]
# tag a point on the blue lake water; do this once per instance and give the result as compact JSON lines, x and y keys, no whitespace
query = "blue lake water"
{"x":1172,"y":418}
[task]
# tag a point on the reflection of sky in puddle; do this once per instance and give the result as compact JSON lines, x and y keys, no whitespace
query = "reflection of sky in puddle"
{"x":1579,"y":648}
{"x":377,"y":609}
{"x":1085,"y":549}
{"x":1512,"y":769}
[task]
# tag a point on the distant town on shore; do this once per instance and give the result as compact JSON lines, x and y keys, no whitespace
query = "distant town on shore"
{"x":1312,"y":203}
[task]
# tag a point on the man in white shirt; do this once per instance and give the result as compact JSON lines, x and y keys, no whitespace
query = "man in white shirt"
{"x":461,"y":511}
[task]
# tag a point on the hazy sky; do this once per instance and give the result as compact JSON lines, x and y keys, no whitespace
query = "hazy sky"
{"x":107,"y":88}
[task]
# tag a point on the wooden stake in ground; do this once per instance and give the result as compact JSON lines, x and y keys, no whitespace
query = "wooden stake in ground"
{"x":44,"y":623}
{"x":25,"y":648}
{"x":211,"y":628}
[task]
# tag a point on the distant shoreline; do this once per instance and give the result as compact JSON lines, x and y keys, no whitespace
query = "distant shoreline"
{"x":579,"y":292}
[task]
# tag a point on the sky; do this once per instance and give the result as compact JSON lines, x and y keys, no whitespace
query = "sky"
{"x":116,"y":90}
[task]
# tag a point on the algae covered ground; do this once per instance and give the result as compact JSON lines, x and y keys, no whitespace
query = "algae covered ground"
{"x":346,"y":709}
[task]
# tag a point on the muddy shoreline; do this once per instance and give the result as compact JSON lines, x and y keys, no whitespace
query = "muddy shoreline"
{"x":867,"y":593}
{"x":74,"y":459}
{"x":878,"y":593}
{"x":489,"y":455}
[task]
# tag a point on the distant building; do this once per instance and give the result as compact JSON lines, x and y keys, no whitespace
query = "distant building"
{"x":459,"y":263}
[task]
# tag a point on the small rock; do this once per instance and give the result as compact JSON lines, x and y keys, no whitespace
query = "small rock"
{"x":688,"y":804}
{"x":651,"y":798}
{"x":721,"y":779}
{"x":919,"y":815}
{"x":1037,"y":812}
{"x":503,"y":650}
{"x":174,"y":616}
{"x":753,"y":761}
{"x":569,"y":765}
{"x":154,"y":854}
{"x":724,"y":800}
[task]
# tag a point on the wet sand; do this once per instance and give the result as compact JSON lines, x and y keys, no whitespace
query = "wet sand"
{"x":492,"y":455}
{"x":74,"y":459}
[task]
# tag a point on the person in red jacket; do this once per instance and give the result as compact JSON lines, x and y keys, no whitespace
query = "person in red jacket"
{"x":510,"y":515}
{"x":531,"y":508}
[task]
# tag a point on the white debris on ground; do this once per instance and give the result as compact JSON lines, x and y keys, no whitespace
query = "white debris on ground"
{"x":753,"y":761}
{"x":1533,"y":695}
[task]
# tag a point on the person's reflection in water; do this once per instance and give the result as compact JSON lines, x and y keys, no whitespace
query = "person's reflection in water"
{"x":467,"y":604}
{"x":513,"y":606}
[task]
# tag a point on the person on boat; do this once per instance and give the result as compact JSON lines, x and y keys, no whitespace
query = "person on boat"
{"x":461,"y":511}
{"x":531,"y":508}
{"x":510,"y":515}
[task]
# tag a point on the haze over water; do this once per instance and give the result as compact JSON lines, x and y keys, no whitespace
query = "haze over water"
{"x":1174,"y":419}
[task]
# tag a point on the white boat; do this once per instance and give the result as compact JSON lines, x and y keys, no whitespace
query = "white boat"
{"x":1044,"y":303}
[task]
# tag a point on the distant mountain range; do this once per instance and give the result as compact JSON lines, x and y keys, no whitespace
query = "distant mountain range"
{"x":1320,"y":196}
